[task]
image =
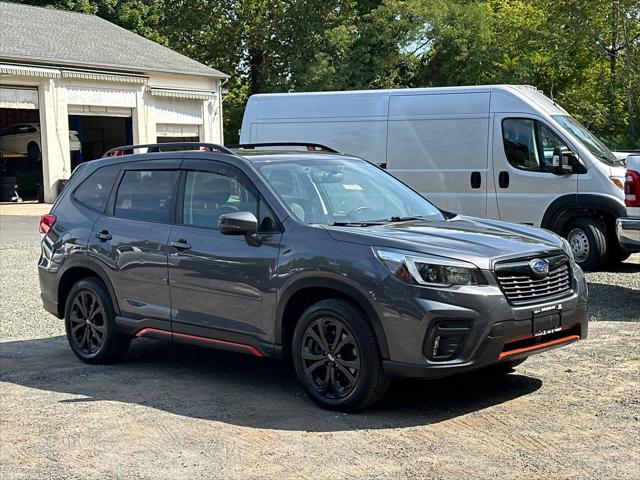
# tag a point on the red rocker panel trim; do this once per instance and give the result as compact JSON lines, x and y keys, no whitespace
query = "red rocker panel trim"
{"x":248,"y":348}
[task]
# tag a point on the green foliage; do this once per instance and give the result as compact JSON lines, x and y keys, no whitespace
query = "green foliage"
{"x":583,"y":53}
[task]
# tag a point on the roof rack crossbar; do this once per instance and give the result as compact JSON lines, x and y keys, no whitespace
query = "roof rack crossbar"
{"x":312,"y":147}
{"x":157,"y":147}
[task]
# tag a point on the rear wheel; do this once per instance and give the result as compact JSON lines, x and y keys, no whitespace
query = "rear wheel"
{"x":588,"y":242}
{"x":90,"y":324}
{"x":33,"y":152}
{"x":336,"y":357}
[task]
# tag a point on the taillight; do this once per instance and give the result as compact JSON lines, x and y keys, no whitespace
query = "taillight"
{"x":46,"y":222}
{"x":632,"y":189}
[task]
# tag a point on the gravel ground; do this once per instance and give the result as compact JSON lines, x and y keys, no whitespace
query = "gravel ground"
{"x":190,"y":413}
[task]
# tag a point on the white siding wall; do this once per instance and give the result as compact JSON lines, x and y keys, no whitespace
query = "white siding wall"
{"x":55,"y":95}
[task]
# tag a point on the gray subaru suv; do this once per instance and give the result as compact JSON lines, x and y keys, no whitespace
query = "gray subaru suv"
{"x":310,"y":255}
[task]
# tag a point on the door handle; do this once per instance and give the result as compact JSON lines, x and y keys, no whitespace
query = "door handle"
{"x":476,"y":180}
{"x":104,"y":235}
{"x":181,"y":244}
{"x":503,"y":179}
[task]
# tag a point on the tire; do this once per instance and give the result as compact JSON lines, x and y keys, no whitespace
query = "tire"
{"x":588,"y":242}
{"x":7,"y":192}
{"x":33,"y":152}
{"x":323,"y":374}
{"x":8,"y":181}
{"x":90,"y":347}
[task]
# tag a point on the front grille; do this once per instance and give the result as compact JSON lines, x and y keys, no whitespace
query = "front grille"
{"x":519,"y":284}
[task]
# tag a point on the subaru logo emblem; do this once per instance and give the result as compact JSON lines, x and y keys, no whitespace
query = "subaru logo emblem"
{"x":539,"y":267}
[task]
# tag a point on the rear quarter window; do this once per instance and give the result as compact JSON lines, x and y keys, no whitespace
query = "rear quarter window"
{"x":94,"y":191}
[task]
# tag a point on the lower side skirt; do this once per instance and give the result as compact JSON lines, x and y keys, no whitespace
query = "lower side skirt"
{"x":221,"y":340}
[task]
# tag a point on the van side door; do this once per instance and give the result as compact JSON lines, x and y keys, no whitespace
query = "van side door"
{"x":525,"y":184}
{"x":438,"y":144}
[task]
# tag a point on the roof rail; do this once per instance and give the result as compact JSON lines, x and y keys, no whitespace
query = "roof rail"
{"x":157,"y":147}
{"x":311,"y":147}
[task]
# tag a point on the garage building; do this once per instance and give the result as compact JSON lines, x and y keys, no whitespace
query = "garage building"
{"x":74,"y":85}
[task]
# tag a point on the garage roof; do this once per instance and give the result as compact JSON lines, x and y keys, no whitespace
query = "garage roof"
{"x":58,"y":37}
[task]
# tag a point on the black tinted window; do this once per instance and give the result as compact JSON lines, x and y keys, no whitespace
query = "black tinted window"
{"x":208,"y":195}
{"x":529,"y":144}
{"x":94,"y":191}
{"x":146,"y":195}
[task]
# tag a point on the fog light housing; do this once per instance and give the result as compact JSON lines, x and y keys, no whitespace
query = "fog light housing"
{"x":446,"y":339}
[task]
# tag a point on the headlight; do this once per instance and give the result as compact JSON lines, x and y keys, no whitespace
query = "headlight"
{"x":427,"y":270}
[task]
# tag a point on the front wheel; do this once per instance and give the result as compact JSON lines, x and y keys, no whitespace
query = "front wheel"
{"x":90,"y":324}
{"x":336,"y":357}
{"x":588,"y":242}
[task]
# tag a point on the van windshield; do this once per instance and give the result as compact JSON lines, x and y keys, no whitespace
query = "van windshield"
{"x":588,"y":139}
{"x":344,"y":192}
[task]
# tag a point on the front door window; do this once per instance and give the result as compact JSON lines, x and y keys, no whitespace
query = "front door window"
{"x":529,"y":144}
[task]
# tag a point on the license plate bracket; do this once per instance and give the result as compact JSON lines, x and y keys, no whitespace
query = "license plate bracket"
{"x":546,"y":320}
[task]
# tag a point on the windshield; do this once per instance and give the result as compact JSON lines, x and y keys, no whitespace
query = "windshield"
{"x":344,"y":191}
{"x":588,"y":139}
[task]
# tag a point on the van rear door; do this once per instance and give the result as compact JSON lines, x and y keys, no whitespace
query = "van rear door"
{"x":438,"y":144}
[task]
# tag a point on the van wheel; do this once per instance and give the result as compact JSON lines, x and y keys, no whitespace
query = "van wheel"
{"x":336,"y":357}
{"x":588,"y":242}
{"x":90,"y":324}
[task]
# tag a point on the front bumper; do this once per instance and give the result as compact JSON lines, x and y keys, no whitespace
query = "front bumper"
{"x":506,"y":341}
{"x":496,"y":331}
{"x":628,"y":231}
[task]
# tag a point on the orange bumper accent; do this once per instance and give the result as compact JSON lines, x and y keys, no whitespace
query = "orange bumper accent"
{"x":539,"y":346}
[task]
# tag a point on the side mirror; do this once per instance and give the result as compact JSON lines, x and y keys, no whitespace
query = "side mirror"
{"x":240,"y":223}
{"x":564,"y":161}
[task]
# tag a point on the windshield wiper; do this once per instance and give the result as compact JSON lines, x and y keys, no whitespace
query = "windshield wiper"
{"x":357,"y":224}
{"x":402,"y":219}
{"x":366,"y":223}
{"x":609,"y":159}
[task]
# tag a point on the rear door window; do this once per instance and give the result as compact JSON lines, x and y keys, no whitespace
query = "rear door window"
{"x":146,"y":195}
{"x":94,"y":191}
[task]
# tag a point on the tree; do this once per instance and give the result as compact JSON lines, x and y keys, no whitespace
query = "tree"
{"x":585,"y":54}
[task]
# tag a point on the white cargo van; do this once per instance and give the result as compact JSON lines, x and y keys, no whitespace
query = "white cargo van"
{"x":502,"y":151}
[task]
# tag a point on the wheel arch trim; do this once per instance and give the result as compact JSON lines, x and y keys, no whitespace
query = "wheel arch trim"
{"x":94,"y":266}
{"x":338,"y":284}
{"x":561,"y":206}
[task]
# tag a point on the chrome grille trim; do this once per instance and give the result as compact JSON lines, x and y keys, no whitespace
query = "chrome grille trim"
{"x":520,"y":287}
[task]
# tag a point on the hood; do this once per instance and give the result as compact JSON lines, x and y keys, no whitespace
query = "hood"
{"x":475,"y":240}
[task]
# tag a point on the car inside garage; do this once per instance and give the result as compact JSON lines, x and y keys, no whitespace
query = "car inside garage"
{"x":96,"y":134}
{"x":20,"y":145}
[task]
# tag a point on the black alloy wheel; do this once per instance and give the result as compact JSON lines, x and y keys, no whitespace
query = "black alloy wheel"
{"x":336,"y":356}
{"x":88,"y":324}
{"x":330,"y":357}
